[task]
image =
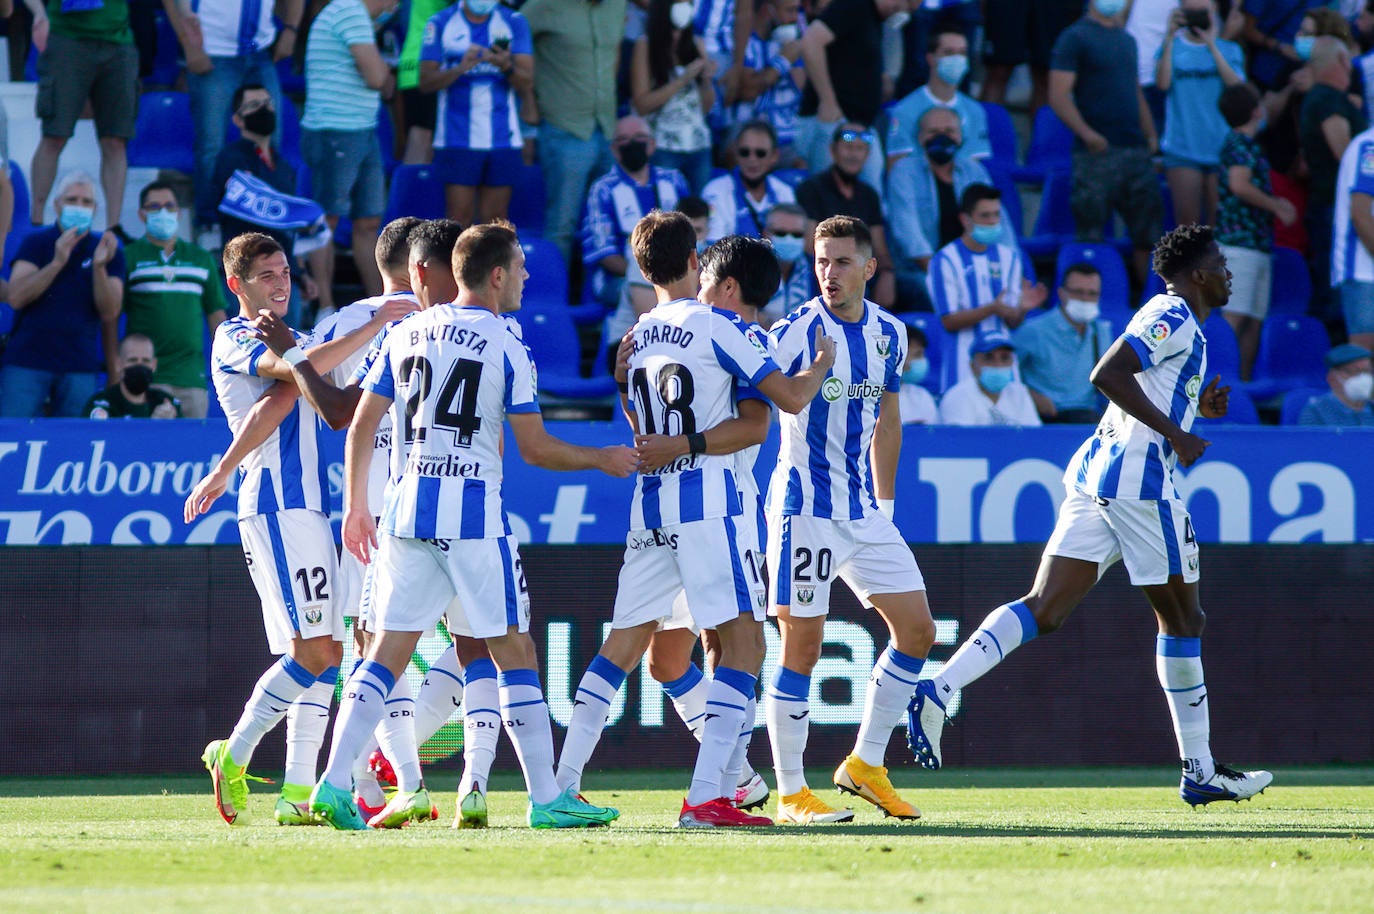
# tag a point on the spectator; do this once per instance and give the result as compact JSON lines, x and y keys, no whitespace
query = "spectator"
{"x":740,"y":200}
{"x":1025,"y":31}
{"x":1193,"y":67}
{"x":477,"y":55}
{"x":345,"y":79}
{"x":1328,"y":121}
{"x":786,"y":230}
{"x":990,"y":393}
{"x":770,"y":86}
{"x":842,"y":48}
{"x":1148,"y":22}
{"x":66,"y":285}
{"x":917,"y":404}
{"x":172,"y":294}
{"x":1094,"y":90}
{"x":1271,"y":27}
{"x":838,"y":191}
{"x":576,"y":43}
{"x":419,"y":110}
{"x":85,"y":56}
{"x":133,"y":397}
{"x":618,"y":200}
{"x":670,"y":77}
{"x":1352,"y":260}
{"x":949,"y":63}
{"x":725,"y":26}
{"x":965,"y":16}
{"x":975,"y":281}
{"x":1350,"y":373}
{"x":1057,"y":350}
{"x":1245,"y":219}
{"x":227,"y":44}
{"x":923,"y":195}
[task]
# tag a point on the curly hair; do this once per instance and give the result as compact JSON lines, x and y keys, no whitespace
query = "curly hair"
{"x":1181,"y":249}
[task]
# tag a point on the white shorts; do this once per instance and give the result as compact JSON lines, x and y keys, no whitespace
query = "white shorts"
{"x":711,"y":561}
{"x":1154,"y":538}
{"x":355,"y":584}
{"x":806,"y":554}
{"x":292,"y":560}
{"x":479,"y":584}
{"x":1251,"y":278}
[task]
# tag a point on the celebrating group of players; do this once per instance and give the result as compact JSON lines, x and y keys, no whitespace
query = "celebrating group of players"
{"x":425,"y":377}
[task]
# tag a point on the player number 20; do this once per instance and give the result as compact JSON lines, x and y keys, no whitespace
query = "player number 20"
{"x":802,"y":570}
{"x":673,"y":383}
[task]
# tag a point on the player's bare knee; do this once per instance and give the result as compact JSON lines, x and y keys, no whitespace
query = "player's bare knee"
{"x":625,"y":647}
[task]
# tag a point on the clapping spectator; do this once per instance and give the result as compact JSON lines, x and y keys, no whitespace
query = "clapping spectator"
{"x":133,"y":396}
{"x":86,"y":54}
{"x":1057,"y":350}
{"x":670,"y":81}
{"x":948,"y":57}
{"x":740,"y":200}
{"x":66,"y":286}
{"x":477,"y":55}
{"x":1194,"y":66}
{"x":990,"y":394}
{"x":918,"y":406}
{"x":1350,"y":374}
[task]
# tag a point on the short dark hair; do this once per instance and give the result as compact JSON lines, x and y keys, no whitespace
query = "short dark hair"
{"x":149,"y":188}
{"x":693,"y":208}
{"x":1237,"y":103}
{"x":1082,"y":268}
{"x":933,"y":42}
{"x":242,"y":250}
{"x":749,"y":261}
{"x":975,"y":194}
{"x":434,"y":239}
{"x":846,"y":227}
{"x":1181,"y":250}
{"x":663,"y":243}
{"x":761,"y":126}
{"x":481,"y":249}
{"x":393,"y":244}
{"x":241,"y":91}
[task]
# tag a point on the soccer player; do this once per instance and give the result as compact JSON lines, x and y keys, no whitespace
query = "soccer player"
{"x":1121,"y":503}
{"x":284,"y":528}
{"x":451,"y":377}
{"x":686,"y":527}
{"x":829,"y":514}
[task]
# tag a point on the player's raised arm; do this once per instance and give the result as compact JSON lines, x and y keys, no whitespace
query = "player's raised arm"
{"x":1114,"y":375}
{"x":262,"y":420}
{"x":793,"y":394}
{"x":747,"y":429}
{"x":359,"y":527}
{"x":541,"y":449}
{"x":335,"y":405}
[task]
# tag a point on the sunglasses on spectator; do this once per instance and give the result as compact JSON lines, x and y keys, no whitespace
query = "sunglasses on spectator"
{"x":777,"y":234}
{"x":850,"y":136}
{"x":159,"y":207}
{"x":745,"y":152}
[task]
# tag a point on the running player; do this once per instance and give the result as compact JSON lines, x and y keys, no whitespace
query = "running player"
{"x":1122,"y":504}
{"x":829,"y":514}
{"x":450,"y":378}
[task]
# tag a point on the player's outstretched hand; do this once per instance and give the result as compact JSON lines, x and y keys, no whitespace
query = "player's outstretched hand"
{"x":1213,"y":402}
{"x":825,"y":351}
{"x":360,"y":535}
{"x":273,"y":331}
{"x":393,"y":309}
{"x":619,"y":461}
{"x":657,"y":451}
{"x":1188,"y":447}
{"x":204,"y":495}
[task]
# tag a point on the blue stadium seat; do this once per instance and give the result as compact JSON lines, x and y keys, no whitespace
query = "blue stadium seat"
{"x":166,"y":67}
{"x":552,"y":339}
{"x":1050,"y":148}
{"x":1116,"y":282}
{"x":163,"y":134}
{"x":1290,"y":287}
{"x":1011,"y":197}
{"x":1002,"y":138}
{"x":1295,"y":400}
{"x":21,"y":198}
{"x":1240,"y":409}
{"x":529,"y":201}
{"x":1291,"y":354}
{"x":547,"y":286}
{"x":1154,"y":285}
{"x":1223,"y":351}
{"x":415,"y":191}
{"x":1054,"y":220}
{"x":939,"y":346}
{"x":793,"y":176}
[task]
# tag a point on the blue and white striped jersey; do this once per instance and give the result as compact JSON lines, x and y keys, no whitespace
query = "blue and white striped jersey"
{"x":288,"y":470}
{"x":715,"y":23}
{"x":614,"y":204}
{"x":733,"y":211}
{"x":1349,"y":259}
{"x":687,"y":360}
{"x":453,"y":373}
{"x":480,"y":110}
{"x":823,"y":469}
{"x":960,"y":279}
{"x":1125,"y":458}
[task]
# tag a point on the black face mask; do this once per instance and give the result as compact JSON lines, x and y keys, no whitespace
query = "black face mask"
{"x":137,"y":379}
{"x":940,"y":149}
{"x":260,"y":122}
{"x":634,"y":155}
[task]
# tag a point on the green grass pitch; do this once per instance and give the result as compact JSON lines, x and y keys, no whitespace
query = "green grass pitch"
{"x":1045,"y":840}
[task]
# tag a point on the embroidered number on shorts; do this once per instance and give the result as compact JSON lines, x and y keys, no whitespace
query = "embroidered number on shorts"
{"x":802,"y":570}
{"x":752,"y":559}
{"x":1188,"y":536}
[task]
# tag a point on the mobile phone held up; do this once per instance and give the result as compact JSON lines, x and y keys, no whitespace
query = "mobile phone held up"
{"x":1197,"y":20}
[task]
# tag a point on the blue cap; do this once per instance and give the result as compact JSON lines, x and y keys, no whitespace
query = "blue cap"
{"x":1346,"y":353}
{"x":989,"y":340}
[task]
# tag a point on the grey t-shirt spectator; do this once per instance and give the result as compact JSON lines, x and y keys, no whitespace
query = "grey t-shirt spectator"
{"x":1105,"y":91}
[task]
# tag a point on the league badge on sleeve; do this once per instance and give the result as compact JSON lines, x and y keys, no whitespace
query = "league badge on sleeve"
{"x":1155,"y":334}
{"x":1367,"y":160}
{"x":244,"y":339}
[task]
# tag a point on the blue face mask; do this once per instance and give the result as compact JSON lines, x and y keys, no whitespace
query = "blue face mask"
{"x":916,"y":372}
{"x":953,"y":69}
{"x":995,"y":378}
{"x":162,"y":225}
{"x":787,"y":248}
{"x":480,"y":7}
{"x":1303,"y":45}
{"x":76,"y":217}
{"x":1109,"y":8}
{"x":987,"y":234}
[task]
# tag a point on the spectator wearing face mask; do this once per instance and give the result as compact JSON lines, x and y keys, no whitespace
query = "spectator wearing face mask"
{"x":786,"y":230}
{"x":770,"y":85}
{"x":172,"y":294}
{"x":990,"y":395}
{"x":1057,"y":350}
{"x":918,"y":406}
{"x":1350,"y":373}
{"x":133,"y":396}
{"x":948,"y":56}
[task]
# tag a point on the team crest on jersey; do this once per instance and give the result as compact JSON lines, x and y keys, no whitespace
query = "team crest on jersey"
{"x":995,"y":270}
{"x":806,"y":595}
{"x":1156,"y":333}
{"x":1367,"y":160}
{"x":883,"y":344}
{"x":760,"y":599}
{"x":832,"y":389}
{"x":1192,"y":563}
{"x":314,"y":614}
{"x":1193,"y":386}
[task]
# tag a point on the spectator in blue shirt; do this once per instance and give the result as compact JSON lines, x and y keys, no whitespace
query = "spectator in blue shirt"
{"x":949,"y":63}
{"x":1058,"y":349}
{"x":1350,"y":372}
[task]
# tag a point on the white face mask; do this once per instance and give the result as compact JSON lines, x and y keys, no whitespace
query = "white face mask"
{"x":1081,"y":312}
{"x":1359,"y":388}
{"x":681,"y":14}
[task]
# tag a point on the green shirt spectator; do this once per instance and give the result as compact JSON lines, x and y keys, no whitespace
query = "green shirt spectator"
{"x":408,"y":67}
{"x":107,"y":22}
{"x":576,"y":48}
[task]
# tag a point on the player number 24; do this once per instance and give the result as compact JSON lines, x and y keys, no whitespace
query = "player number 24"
{"x":456,"y":407}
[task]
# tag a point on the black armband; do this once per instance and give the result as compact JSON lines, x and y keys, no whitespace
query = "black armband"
{"x":696,"y":444}
{"x":623,"y":386}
